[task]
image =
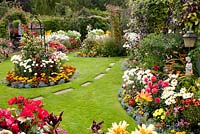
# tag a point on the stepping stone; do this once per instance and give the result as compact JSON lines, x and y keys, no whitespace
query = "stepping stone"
{"x":63,"y":91}
{"x":111,"y":64}
{"x":108,"y":69}
{"x":38,"y":98}
{"x":86,"y":84}
{"x":99,"y":76}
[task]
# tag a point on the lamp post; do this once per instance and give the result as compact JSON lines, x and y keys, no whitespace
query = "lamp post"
{"x":189,"y":39}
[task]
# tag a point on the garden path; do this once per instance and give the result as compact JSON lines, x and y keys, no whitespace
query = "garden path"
{"x":87,"y":83}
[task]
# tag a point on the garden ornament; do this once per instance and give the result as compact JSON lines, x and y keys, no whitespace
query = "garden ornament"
{"x":188,"y":67}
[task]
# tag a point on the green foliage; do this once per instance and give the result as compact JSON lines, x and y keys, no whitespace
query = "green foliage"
{"x":194,"y":120}
{"x":15,"y":14}
{"x":52,"y":24}
{"x":12,"y":15}
{"x":75,"y":23}
{"x":152,"y":15}
{"x":154,"y":48}
{"x":111,"y":49}
{"x":5,"y":5}
{"x":190,"y":14}
{"x":3,"y":33}
{"x":43,"y":7}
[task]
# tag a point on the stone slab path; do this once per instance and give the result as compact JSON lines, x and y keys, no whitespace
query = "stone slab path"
{"x":87,"y":83}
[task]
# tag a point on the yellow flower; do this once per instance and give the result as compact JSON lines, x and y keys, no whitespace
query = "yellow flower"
{"x":162,"y":117}
{"x":183,"y":132}
{"x":48,"y":32}
{"x":118,"y":128}
{"x":172,"y":131}
{"x":144,"y":129}
{"x":145,"y":96}
{"x":108,"y":32}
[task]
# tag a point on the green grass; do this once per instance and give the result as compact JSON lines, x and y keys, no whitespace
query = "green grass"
{"x":97,"y":101}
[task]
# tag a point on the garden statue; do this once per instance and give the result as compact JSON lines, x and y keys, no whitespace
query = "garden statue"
{"x":188,"y":67}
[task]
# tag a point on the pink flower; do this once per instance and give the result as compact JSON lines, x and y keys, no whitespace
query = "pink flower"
{"x":153,"y":78}
{"x":155,"y":86}
{"x":146,"y":79}
{"x":148,"y":89}
{"x":165,"y":84}
{"x":150,"y":84}
{"x":160,"y":82}
{"x":157,"y":100}
{"x":154,"y":90}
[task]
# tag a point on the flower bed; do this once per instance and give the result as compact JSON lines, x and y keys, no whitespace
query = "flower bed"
{"x":37,"y":66}
{"x":28,"y":117}
{"x":64,"y":41}
{"x":169,"y":101}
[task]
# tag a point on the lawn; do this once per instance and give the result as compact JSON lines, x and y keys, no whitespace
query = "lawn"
{"x":97,"y":101}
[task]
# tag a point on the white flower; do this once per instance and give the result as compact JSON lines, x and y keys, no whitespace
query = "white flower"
{"x":16,"y":59}
{"x":118,"y":128}
{"x":170,"y":100}
{"x":174,"y":82}
{"x":145,"y":130}
{"x":188,"y":95}
{"x":30,"y":70}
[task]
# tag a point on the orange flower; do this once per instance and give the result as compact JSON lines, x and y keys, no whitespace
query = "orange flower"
{"x":144,"y":96}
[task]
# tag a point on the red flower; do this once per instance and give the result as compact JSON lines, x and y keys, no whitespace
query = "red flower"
{"x":148,"y":89}
{"x":150,"y":84}
{"x":12,"y":101}
{"x":42,"y":114}
{"x":154,"y":90}
{"x":160,"y":82}
{"x":157,"y":100}
{"x":15,"y":128}
{"x":26,"y":113}
{"x":155,"y":85}
{"x":156,"y":67}
{"x":153,"y":78}
{"x":165,"y":84}
{"x":20,"y":99}
{"x":146,"y":79}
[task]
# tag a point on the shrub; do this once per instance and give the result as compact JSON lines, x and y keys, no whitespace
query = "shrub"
{"x":154,"y":47}
{"x":99,"y":43}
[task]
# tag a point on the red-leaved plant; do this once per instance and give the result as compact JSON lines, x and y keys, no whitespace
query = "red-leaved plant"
{"x":28,"y":117}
